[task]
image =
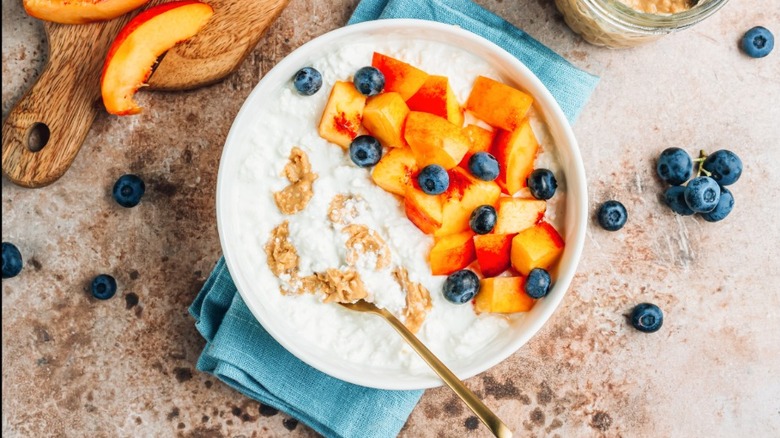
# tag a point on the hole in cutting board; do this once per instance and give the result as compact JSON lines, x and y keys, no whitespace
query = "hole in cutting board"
{"x":37,"y":136}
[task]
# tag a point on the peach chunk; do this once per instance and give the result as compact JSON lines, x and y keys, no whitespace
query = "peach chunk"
{"x":515,"y":214}
{"x":343,"y":114}
{"x":502,"y":295}
{"x":400,"y":77}
{"x":500,"y":105}
{"x":423,"y":210}
{"x":451,"y":253}
{"x":138,"y":45}
{"x":481,"y":139}
{"x":515,"y":152}
{"x":493,"y":253}
{"x":464,"y":194}
{"x":536,"y":247}
{"x":436,"y":97}
{"x":434,"y":140}
{"x":80,"y":11}
{"x":394,"y":171}
{"x":384,"y":117}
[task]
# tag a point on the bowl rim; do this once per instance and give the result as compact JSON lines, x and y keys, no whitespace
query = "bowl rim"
{"x":542,"y":99}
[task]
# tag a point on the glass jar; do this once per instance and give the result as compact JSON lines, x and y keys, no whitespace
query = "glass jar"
{"x":611,"y":23}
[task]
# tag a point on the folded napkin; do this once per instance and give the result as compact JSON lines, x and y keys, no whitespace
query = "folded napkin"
{"x":243,"y":355}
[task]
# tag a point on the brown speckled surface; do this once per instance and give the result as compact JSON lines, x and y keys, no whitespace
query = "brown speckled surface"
{"x":73,"y":366}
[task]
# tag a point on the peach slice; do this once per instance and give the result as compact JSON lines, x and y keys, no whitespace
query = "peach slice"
{"x":515,"y":152}
{"x":481,"y":140}
{"x":384,"y":117}
{"x":502,"y":295}
{"x":493,"y":253}
{"x":340,"y":122}
{"x":400,"y":77}
{"x":451,"y":253}
{"x":394,"y":171}
{"x":423,"y":210}
{"x":536,"y":247}
{"x":434,"y":140}
{"x":138,"y":45}
{"x":436,"y":97}
{"x":516,"y":214}
{"x":464,"y":194}
{"x":500,"y":105}
{"x":80,"y":11}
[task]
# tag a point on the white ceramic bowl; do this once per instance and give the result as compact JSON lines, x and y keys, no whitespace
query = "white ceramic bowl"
{"x":512,"y":72}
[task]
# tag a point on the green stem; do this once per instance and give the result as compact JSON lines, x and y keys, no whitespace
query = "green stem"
{"x":700,"y":160}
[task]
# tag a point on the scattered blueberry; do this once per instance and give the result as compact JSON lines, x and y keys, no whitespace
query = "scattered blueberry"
{"x":484,"y":166}
{"x":461,"y":286}
{"x":612,"y":215}
{"x":724,"y":207}
{"x":433,"y":179}
{"x":103,"y":287}
{"x":307,"y":81}
{"x":674,"y":166}
{"x":647,"y":318}
{"x":365,"y":151}
{"x":674,"y":197}
{"x":542,"y":183}
{"x":483,"y":219}
{"x":758,"y":42}
{"x":12,"y":260}
{"x":725,"y":167}
{"x":537,"y":285}
{"x":369,"y":81}
{"x":128,"y":190}
{"x":702,"y":194}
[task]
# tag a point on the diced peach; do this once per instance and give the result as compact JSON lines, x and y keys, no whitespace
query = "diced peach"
{"x":536,"y":247}
{"x":493,"y":253}
{"x":464,"y":194}
{"x":80,"y":11}
{"x":451,"y":253}
{"x":502,"y":295}
{"x":515,"y":152}
{"x":500,"y":105}
{"x":400,"y":77}
{"x":515,"y":214}
{"x":343,"y":114}
{"x":434,"y":140}
{"x":423,"y":210}
{"x":394,"y":171}
{"x":384,"y":117}
{"x":481,"y":140}
{"x":436,"y":97}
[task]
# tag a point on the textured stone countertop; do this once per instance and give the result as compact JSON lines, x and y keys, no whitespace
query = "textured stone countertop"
{"x":73,"y":366}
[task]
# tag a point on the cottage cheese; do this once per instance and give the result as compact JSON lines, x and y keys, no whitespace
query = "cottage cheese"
{"x":453,"y":332}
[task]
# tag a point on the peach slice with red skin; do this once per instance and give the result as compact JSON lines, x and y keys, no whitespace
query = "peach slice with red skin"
{"x":481,"y":141}
{"x":395,"y":170}
{"x":80,"y":11}
{"x":384,"y":117}
{"x":515,"y":152}
{"x":436,"y":97}
{"x":423,"y":210}
{"x":498,"y":104}
{"x":464,"y":194}
{"x":434,"y":140}
{"x":502,"y":295}
{"x":400,"y":77}
{"x":536,"y":247}
{"x":493,"y":253}
{"x":138,"y":45}
{"x":343,"y":114}
{"x":451,"y":253}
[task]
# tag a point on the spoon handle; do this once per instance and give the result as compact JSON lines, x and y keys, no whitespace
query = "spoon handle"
{"x":484,"y":413}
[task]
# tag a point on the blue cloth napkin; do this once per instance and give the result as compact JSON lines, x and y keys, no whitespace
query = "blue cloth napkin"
{"x":243,"y":355}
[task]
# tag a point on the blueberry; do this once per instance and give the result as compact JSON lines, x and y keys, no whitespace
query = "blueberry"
{"x":484,"y":166}
{"x":542,"y":184}
{"x":725,"y":167}
{"x":483,"y":219}
{"x":369,"y":81}
{"x":433,"y":179}
{"x":612,"y":215}
{"x":307,"y":81}
{"x":674,"y":197}
{"x":674,"y":166}
{"x":128,"y":190}
{"x":702,"y":194}
{"x":461,"y":286}
{"x":103,"y":287}
{"x":758,"y":42}
{"x":724,"y":207}
{"x":647,"y":318}
{"x":12,"y":260}
{"x":365,"y":151}
{"x":537,"y":285}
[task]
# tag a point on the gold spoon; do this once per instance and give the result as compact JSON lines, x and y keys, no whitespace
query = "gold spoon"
{"x":484,"y":413}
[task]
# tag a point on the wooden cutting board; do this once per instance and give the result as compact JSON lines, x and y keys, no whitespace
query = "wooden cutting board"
{"x":58,"y":110}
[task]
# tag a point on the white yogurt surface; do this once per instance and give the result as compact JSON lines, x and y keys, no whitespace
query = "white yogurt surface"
{"x":453,"y":332}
